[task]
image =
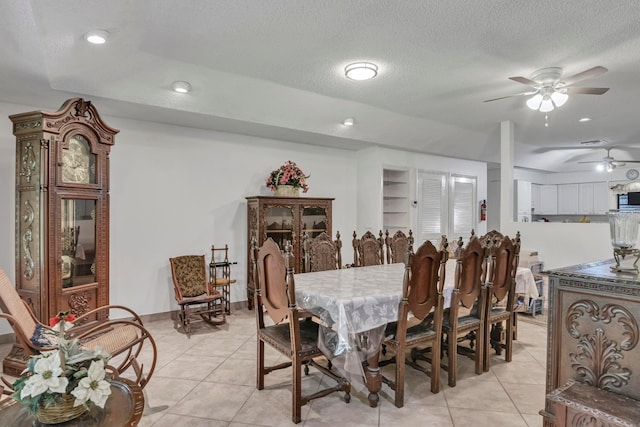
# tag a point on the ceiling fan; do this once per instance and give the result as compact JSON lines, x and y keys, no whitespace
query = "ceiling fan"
{"x":608,"y":163}
{"x":550,"y":90}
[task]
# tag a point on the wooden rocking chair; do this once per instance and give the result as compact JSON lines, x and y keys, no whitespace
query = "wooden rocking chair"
{"x":195,"y":295}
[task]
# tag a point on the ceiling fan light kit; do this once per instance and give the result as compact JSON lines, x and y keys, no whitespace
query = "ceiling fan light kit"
{"x":551,"y":90}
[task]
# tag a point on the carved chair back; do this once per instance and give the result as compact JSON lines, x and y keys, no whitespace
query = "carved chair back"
{"x":397,"y":245}
{"x":470,"y":273}
{"x":321,"y":253}
{"x":503,"y":264}
{"x":368,"y":250}
{"x":275,"y":287}
{"x":424,"y":285}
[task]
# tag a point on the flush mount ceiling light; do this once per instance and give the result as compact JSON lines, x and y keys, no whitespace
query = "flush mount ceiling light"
{"x":585,"y":119}
{"x":361,"y":71}
{"x":181,"y":87}
{"x":349,"y":121}
{"x":97,"y":36}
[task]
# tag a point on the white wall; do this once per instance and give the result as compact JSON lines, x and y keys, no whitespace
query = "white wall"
{"x":177,"y":191}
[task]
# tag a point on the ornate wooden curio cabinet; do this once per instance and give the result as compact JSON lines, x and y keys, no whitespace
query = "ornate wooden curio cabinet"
{"x":62,"y":208}
{"x":282,"y":219}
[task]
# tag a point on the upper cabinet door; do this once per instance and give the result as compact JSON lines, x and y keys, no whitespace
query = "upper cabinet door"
{"x":548,"y":199}
{"x":568,"y":199}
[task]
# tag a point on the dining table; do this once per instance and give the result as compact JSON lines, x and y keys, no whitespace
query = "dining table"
{"x":353,"y":307}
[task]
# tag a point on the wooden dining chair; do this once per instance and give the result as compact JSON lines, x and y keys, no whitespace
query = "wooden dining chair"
{"x":464,"y":319}
{"x":321,"y":253}
{"x":292,"y":333}
{"x":500,"y":304}
{"x":423,"y":300}
{"x":397,"y":245}
{"x":368,"y":250}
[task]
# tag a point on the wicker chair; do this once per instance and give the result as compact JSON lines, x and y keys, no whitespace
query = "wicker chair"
{"x":422,"y":299}
{"x":123,"y":338}
{"x":194,"y":294}
{"x":291,"y":332}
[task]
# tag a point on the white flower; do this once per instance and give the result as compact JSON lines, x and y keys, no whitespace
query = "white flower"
{"x":67,"y":326}
{"x":46,"y":377}
{"x":93,"y":387}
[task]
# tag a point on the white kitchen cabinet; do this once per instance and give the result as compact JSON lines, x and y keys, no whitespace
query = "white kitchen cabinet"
{"x":602,"y":197}
{"x":568,"y":199}
{"x":535,"y":198}
{"x":548,"y":199}
{"x":522,"y":199}
{"x":585,"y":198}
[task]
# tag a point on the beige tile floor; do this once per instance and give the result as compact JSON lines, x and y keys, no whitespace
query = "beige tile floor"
{"x":209,"y":380}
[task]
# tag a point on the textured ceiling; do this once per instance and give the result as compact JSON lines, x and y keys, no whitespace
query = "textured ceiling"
{"x":276,"y":69}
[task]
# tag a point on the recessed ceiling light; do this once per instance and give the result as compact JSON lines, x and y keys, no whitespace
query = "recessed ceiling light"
{"x":585,"y":119}
{"x":361,"y":71}
{"x":181,"y":87}
{"x":97,"y":36}
{"x":349,"y":121}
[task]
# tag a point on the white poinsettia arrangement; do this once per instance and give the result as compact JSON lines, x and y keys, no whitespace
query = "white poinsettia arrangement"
{"x":70,"y":370}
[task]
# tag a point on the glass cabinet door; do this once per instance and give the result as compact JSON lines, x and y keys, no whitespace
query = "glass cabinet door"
{"x":314,"y":220}
{"x":279,"y":224}
{"x":78,"y":242}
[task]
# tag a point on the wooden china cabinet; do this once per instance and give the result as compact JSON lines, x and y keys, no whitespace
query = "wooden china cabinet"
{"x":282,"y":219}
{"x":62,"y":208}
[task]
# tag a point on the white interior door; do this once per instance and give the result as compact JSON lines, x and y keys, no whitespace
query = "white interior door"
{"x":446,"y":205}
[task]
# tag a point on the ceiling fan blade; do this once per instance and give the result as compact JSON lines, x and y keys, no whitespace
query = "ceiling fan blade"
{"x":525,"y":81}
{"x":586,"y":90}
{"x":511,"y":96}
{"x":626,"y":161}
{"x":587,"y":74}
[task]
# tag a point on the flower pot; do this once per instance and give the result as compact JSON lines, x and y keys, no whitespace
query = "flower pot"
{"x":287,"y":191}
{"x":60,"y":412}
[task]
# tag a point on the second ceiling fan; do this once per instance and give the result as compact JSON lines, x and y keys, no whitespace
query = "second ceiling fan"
{"x":550,"y":90}
{"x":609,"y":163}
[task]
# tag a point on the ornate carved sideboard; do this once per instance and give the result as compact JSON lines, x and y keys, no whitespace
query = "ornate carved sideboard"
{"x":594,"y":317}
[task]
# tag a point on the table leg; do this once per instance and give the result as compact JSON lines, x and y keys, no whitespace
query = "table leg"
{"x":373,"y":378}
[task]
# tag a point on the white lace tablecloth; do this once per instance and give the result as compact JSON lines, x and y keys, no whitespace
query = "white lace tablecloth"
{"x":355,"y":304}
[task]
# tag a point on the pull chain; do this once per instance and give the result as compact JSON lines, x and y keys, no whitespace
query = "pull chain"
{"x":546,"y":122}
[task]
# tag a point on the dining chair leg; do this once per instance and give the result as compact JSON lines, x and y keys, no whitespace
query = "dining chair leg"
{"x":480,"y":351}
{"x":260,"y":366}
{"x":435,"y":368}
{"x":509,"y":340}
{"x":296,"y":392}
{"x":453,"y":357}
{"x":400,"y":371}
{"x":486,"y":335}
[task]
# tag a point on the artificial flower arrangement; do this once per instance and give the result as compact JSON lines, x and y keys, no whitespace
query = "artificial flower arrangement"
{"x":288,"y":174}
{"x":68,"y":372}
